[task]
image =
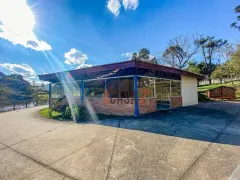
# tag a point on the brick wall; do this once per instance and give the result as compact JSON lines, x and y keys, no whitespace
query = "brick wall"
{"x":176,"y":102}
{"x":116,"y":106}
{"x":222,"y":93}
{"x":147,"y":106}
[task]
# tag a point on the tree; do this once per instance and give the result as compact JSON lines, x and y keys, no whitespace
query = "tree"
{"x":144,"y":53}
{"x":145,"y":56}
{"x":235,"y":61}
{"x":220,"y":73}
{"x":180,"y":50}
{"x":210,"y":49}
{"x":193,"y":66}
{"x":235,"y":24}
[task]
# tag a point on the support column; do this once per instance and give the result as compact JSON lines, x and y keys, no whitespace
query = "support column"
{"x":82,"y":93}
{"x":136,"y":113}
{"x":49,"y":94}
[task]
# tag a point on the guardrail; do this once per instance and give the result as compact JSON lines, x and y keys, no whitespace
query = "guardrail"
{"x":20,"y":104}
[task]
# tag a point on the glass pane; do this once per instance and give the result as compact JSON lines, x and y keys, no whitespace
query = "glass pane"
{"x":176,"y":88}
{"x":145,"y":87}
{"x":94,"y":88}
{"x":113,"y":88}
{"x":162,"y":93}
{"x":126,"y":87}
{"x":57,"y":90}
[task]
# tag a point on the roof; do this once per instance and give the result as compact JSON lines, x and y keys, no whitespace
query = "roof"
{"x":131,"y":64}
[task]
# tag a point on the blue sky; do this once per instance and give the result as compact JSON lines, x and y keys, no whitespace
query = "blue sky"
{"x":43,"y":36}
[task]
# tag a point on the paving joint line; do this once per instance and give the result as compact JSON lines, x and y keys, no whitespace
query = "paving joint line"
{"x":50,"y":165}
{"x":220,"y":133}
{"x":114,"y":144}
{"x":36,"y":136}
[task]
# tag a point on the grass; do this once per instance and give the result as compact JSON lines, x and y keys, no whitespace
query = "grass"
{"x":55,"y":114}
{"x":236,"y":84}
{"x":58,"y":116}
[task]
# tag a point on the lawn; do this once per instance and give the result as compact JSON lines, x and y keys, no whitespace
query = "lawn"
{"x":58,"y":116}
{"x":236,"y":84}
{"x":55,"y":114}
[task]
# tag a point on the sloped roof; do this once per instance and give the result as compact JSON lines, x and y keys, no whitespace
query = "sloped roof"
{"x":131,"y":64}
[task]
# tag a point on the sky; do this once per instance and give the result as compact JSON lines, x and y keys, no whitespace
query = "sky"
{"x":43,"y":36}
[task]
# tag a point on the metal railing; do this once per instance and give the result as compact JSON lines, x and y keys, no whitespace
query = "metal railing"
{"x":20,"y":104}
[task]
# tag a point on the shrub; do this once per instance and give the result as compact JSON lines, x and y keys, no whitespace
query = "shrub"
{"x":67,"y":113}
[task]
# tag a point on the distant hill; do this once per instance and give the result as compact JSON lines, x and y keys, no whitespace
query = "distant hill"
{"x":14,"y":87}
{"x":2,"y":75}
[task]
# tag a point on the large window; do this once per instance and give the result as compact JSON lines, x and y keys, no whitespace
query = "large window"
{"x":145,"y":87}
{"x":162,"y":89}
{"x":94,"y":88}
{"x":69,"y":89}
{"x":120,"y":87}
{"x":176,"y":88}
{"x":126,"y":88}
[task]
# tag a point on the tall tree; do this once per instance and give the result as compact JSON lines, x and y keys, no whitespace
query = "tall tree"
{"x":145,"y":56}
{"x":235,"y":24}
{"x":210,"y":49}
{"x":180,"y":50}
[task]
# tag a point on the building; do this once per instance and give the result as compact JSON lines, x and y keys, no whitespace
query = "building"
{"x":125,"y":88}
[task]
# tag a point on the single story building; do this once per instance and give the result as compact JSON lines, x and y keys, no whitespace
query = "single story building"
{"x":125,"y":88}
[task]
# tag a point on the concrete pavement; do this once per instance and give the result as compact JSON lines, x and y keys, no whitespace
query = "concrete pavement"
{"x":199,"y":142}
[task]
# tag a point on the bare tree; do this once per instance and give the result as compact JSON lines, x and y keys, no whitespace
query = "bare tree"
{"x":180,"y":50}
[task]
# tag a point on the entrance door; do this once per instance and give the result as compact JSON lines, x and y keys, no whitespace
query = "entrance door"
{"x":162,"y":93}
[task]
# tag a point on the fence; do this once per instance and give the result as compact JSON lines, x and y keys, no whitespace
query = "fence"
{"x":217,"y":81}
{"x":20,"y":104}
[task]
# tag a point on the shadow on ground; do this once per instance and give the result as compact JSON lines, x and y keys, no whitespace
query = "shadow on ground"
{"x":195,"y":122}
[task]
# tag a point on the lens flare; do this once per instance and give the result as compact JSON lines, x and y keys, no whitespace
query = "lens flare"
{"x":70,"y":86}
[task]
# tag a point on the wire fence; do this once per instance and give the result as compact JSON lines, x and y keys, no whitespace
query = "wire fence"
{"x":21,"y":104}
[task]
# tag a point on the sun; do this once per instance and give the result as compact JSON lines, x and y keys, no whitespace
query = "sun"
{"x":17,"y":23}
{"x":17,"y":16}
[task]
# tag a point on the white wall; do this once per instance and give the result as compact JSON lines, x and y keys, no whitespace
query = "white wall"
{"x":189,"y":90}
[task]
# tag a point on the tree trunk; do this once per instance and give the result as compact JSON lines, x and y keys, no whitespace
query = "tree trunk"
{"x":209,"y":80}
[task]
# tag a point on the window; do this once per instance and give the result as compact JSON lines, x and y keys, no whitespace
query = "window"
{"x":176,"y":88}
{"x":70,"y":89}
{"x":162,"y":89}
{"x":126,"y":88}
{"x":120,"y":87}
{"x":94,"y":88}
{"x":145,"y":87}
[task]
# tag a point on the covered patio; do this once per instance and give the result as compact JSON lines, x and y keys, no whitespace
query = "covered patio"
{"x":125,"y":88}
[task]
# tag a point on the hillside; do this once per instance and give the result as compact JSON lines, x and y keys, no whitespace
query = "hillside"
{"x":14,"y":87}
{"x":2,"y":75}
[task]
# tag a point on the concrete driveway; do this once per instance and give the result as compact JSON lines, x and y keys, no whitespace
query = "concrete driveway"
{"x":198,"y":142}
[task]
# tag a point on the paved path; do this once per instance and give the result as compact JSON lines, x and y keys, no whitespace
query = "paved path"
{"x":199,"y":142}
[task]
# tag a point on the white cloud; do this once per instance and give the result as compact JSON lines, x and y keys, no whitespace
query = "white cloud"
{"x":84,"y":66}
{"x":76,"y":57}
{"x":127,"y":54}
{"x":21,"y":69}
{"x":114,"y":6}
{"x":130,"y":4}
{"x":17,"y":25}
